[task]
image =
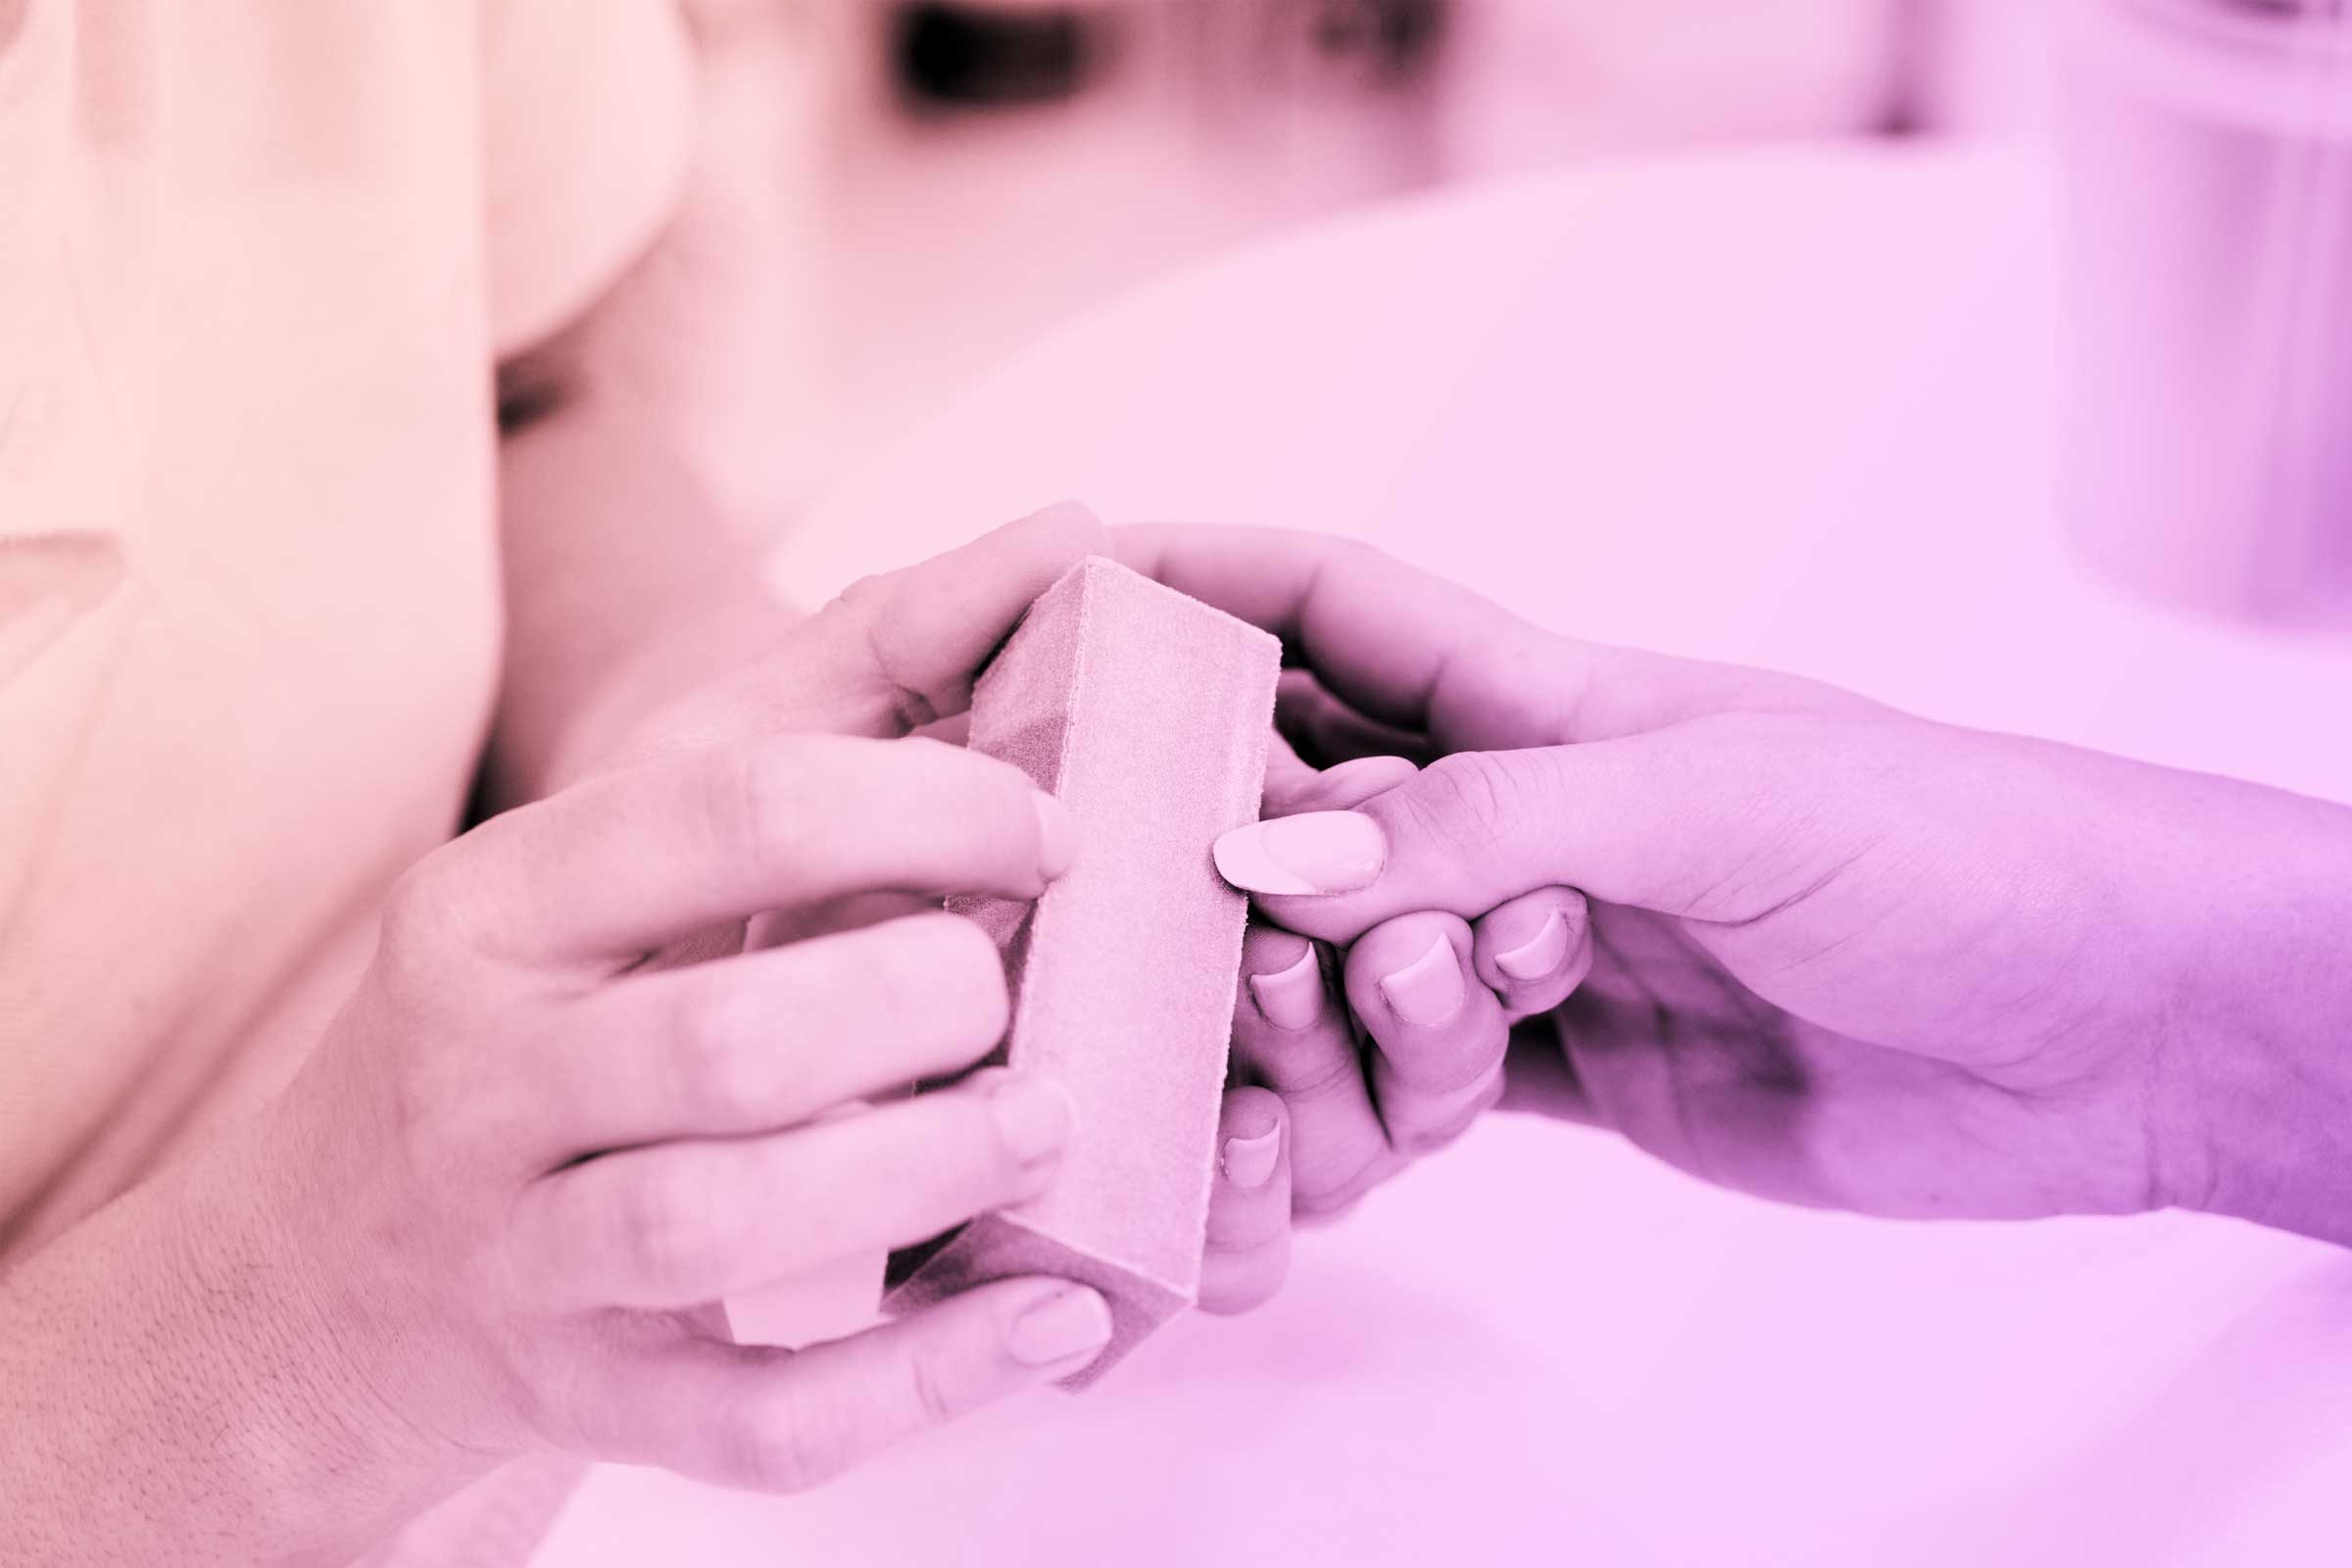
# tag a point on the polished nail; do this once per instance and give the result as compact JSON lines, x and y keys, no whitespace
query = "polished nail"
{"x":1249,"y":1161}
{"x":1034,"y":1117}
{"x":1540,"y":955}
{"x":1056,"y":835}
{"x":1314,"y":852}
{"x":1429,"y":989}
{"x":1069,"y":1323}
{"x":1293,"y":999}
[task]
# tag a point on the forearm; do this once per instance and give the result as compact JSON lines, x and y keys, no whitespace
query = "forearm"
{"x":172,"y":1389}
{"x":624,"y":588}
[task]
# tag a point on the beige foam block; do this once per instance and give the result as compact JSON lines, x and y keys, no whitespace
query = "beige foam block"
{"x":1146,"y":713}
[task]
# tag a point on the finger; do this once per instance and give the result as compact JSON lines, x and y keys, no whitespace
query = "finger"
{"x":772,"y":1039}
{"x":1412,"y":650}
{"x":1719,"y":821}
{"x":1290,"y":1035}
{"x":899,"y":651}
{"x":852,"y":911}
{"x":1288,"y":775}
{"x":674,"y":1224}
{"x":624,"y":862}
{"x":1329,"y":732}
{"x":1334,"y":789}
{"x":1249,"y":1244}
{"x":1532,"y":950}
{"x":775,"y":1420}
{"x":954,"y":730}
{"x":1439,"y":1035}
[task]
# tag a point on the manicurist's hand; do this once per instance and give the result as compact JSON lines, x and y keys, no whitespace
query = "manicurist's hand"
{"x":521,"y":1162}
{"x":569,"y":1110}
{"x":1815,"y":948}
{"x":899,"y":654}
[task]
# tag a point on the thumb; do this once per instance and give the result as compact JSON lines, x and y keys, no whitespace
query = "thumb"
{"x":1721,"y":818}
{"x":891,"y":654}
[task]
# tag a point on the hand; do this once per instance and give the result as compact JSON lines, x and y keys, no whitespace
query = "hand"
{"x":1837,"y":955}
{"x":898,"y":654}
{"x":530,"y":1157}
{"x":518,"y":1166}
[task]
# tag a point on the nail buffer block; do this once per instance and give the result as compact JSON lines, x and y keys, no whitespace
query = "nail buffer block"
{"x":1146,"y":713}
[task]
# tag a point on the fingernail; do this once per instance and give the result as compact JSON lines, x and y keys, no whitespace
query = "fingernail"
{"x":1248,"y":1162}
{"x":1034,"y":1117}
{"x":1540,"y":955}
{"x":1069,"y":1323}
{"x":1293,"y":999}
{"x":1056,"y":835}
{"x":1313,"y":853}
{"x":1429,"y":989}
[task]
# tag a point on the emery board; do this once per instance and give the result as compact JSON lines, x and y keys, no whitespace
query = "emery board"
{"x":1146,"y":713}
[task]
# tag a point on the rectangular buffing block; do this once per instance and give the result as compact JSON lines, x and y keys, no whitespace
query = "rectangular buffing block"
{"x":1146,"y":713}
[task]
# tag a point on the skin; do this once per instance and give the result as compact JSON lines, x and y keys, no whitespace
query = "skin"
{"x":1821,"y":951}
{"x":588,"y":1085}
{"x":497,"y":1206}
{"x":570,"y":1106}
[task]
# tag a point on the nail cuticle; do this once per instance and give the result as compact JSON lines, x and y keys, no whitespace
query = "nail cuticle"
{"x":1429,"y":991}
{"x":1292,"y":999}
{"x":1540,"y":955}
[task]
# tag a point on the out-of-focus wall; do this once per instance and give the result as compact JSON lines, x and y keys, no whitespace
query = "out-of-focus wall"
{"x":960,"y":177}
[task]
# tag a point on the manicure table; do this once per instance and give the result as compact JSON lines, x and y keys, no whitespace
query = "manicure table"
{"x":1786,"y":407}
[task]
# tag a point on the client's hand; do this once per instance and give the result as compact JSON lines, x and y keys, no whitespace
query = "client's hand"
{"x":1837,"y":955}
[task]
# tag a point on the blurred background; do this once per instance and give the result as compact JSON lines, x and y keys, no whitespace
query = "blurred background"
{"x":959,"y":177}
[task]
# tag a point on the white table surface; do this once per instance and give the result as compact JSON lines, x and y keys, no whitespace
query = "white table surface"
{"x":1783,"y":407}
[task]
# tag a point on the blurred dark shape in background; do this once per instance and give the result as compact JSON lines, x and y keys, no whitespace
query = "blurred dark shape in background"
{"x":958,"y":177}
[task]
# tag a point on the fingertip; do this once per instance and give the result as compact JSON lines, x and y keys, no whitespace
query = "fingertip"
{"x":1246,"y":1279}
{"x":1316,"y":854}
{"x":1250,"y":1141}
{"x":1540,"y":955}
{"x":1534,"y":949}
{"x":1270,"y":950}
{"x":1057,"y":836}
{"x":1290,"y":998}
{"x":1429,"y":992}
{"x":1068,"y":522}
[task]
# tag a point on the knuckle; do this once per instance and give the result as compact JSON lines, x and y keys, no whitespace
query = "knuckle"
{"x":791,"y":1455}
{"x":654,"y":1229}
{"x":1343,"y":552}
{"x":1466,"y":802}
{"x":936,"y":1391}
{"x":753,"y":799}
{"x":957,"y":969}
{"x":417,"y":912}
{"x":712,"y":1026}
{"x":1299,"y":1067}
{"x":860,"y":595}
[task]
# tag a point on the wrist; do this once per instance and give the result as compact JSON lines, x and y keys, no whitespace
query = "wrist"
{"x":2252,"y":1047}
{"x":336,"y":1374}
{"x":172,"y":1338}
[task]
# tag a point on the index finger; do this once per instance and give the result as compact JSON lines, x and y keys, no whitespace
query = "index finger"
{"x":620,"y":864}
{"x":1412,"y":650}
